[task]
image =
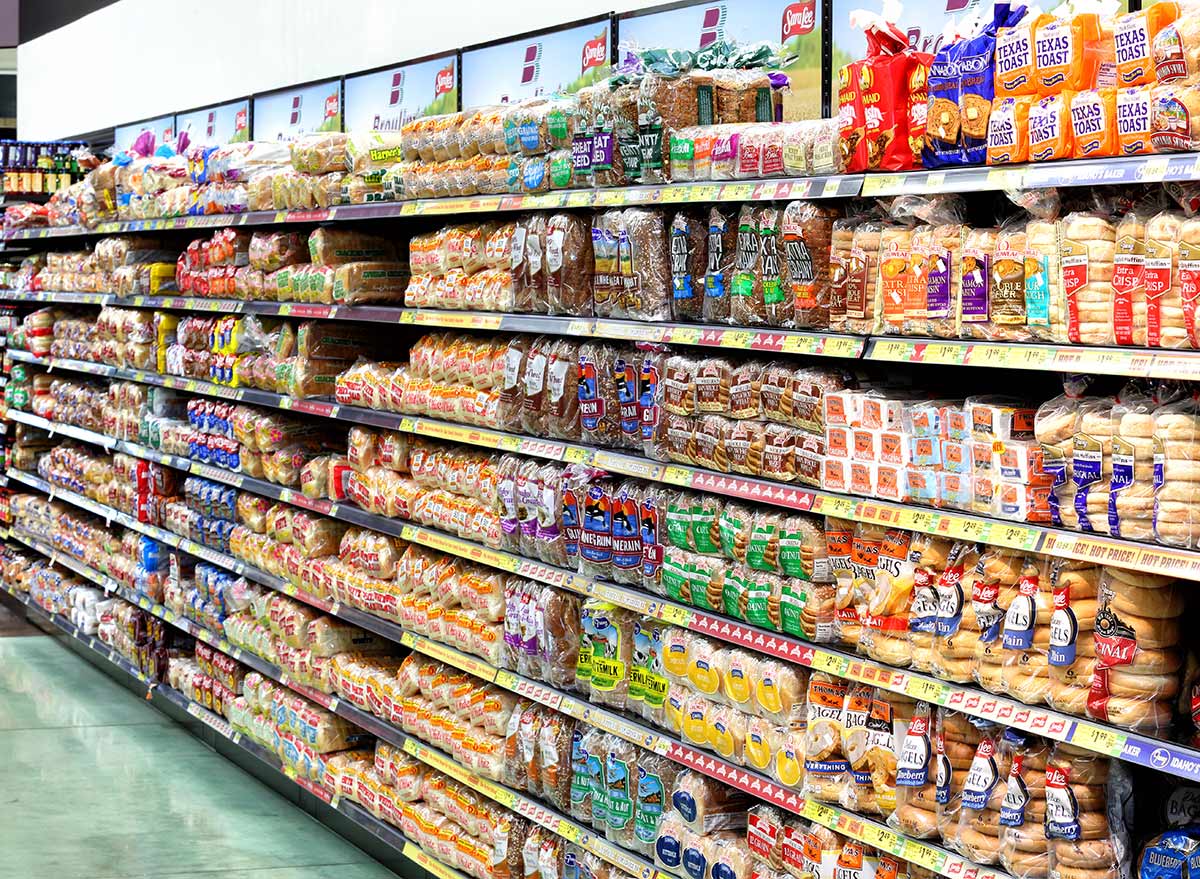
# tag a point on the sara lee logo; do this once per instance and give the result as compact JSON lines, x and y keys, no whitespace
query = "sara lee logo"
{"x":444,"y":81}
{"x":396,"y":95}
{"x":331,"y":106}
{"x":297,"y":103}
{"x":532,"y":66}
{"x":595,"y":54}
{"x":210,"y":125}
{"x":240,"y":120}
{"x":712,"y":25}
{"x":799,"y":19}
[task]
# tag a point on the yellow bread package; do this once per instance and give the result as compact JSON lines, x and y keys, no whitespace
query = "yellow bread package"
{"x":1050,"y":128}
{"x":1093,"y":114}
{"x":1133,"y":38}
{"x":1008,"y":130}
{"x":1073,"y":55}
{"x":1014,"y":72}
{"x":1133,"y":121}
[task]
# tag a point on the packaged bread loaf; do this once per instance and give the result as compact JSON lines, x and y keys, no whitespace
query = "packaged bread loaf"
{"x":1045,"y":304}
{"x":862,"y":277}
{"x":1176,"y":473}
{"x":512,"y":392}
{"x":1023,"y":846}
{"x":1173,"y":122}
{"x":760,"y":290}
{"x":976,"y":283}
{"x":840,"y":244}
{"x":562,"y":390}
{"x":610,"y":638}
{"x":1138,"y":642}
{"x":689,"y":237}
{"x":806,"y":231}
{"x":528,"y":264}
{"x":1088,"y":248}
{"x":569,"y":264}
{"x":608,"y":298}
{"x":722,"y":256}
{"x":644,"y":265}
{"x":1128,"y":282}
{"x":895,"y":263}
{"x":599,"y":406}
{"x":1074,"y":587}
{"x":1007,"y":313}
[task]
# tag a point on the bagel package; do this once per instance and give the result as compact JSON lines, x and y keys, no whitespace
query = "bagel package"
{"x":1025,"y":639}
{"x":1074,"y":587}
{"x":1176,"y":473}
{"x":916,"y":776}
{"x":1131,"y":484}
{"x":1087,"y":252}
{"x":1022,"y":835}
{"x":1139,"y":650}
{"x":956,"y":636}
{"x":1054,"y":427}
{"x":1087,"y":798}
{"x":1129,"y":280}
{"x":1166,"y":323}
{"x":826,"y":769}
{"x":978,"y":831}
{"x":957,"y":740}
{"x":1091,"y":464}
{"x":930,"y":557}
{"x":993,"y":586}
{"x":885,"y":635}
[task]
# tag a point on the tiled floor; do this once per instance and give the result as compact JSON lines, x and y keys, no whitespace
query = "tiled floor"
{"x":12,"y":621}
{"x":98,"y":783}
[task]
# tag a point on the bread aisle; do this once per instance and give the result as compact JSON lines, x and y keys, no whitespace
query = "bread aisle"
{"x":647,"y":478}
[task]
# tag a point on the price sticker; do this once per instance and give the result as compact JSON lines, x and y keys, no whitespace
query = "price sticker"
{"x":676,"y":615}
{"x":579,"y":199}
{"x":1096,"y":738}
{"x":882,"y":184}
{"x":1004,"y":178}
{"x":926,"y":690}
{"x":821,"y":813}
{"x":1153,"y":170}
{"x":798,"y":344}
{"x":842,"y":347}
{"x":929,"y":858}
{"x":677,"y":475}
{"x":567,"y":830}
{"x":830,"y":662}
{"x":507,"y":680}
{"x":684,"y":336}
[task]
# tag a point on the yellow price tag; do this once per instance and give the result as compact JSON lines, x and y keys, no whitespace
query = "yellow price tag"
{"x":821,"y":813}
{"x":575,"y":454}
{"x":832,"y":188}
{"x":507,"y":680}
{"x":677,"y":475}
{"x":567,"y":830}
{"x":579,"y":199}
{"x":1096,"y":738}
{"x":990,"y":355}
{"x":830,"y":662}
{"x":737,"y":191}
{"x":683,"y":336}
{"x":927,"y":691}
{"x":1004,"y":178}
{"x":929,"y":858}
{"x":797,"y":344}
{"x":842,"y":347}
{"x":1153,"y":170}
{"x":882,"y":184}
{"x":893,"y":350}
{"x":676,"y":615}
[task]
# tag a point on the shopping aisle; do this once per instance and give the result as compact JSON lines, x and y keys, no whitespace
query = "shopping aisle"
{"x":98,"y":783}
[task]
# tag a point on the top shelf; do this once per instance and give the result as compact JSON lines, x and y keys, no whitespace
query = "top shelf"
{"x":1094,"y":172}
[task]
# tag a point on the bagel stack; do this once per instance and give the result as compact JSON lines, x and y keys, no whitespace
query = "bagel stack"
{"x":1054,"y":427}
{"x":1189,"y":262}
{"x":1131,"y":486}
{"x":956,"y":639}
{"x":858,"y":794}
{"x":1139,"y":650}
{"x":885,"y":625}
{"x":978,"y":832}
{"x":1080,"y":840}
{"x":1023,"y":851}
{"x":1177,"y":440}
{"x":1042,"y":274}
{"x":1026,"y":636}
{"x":825,"y":766}
{"x":992,"y":591}
{"x":1073,"y":587}
{"x":916,"y":776}
{"x":930,"y":554}
{"x":1088,"y":246}
{"x":1164,"y":287}
{"x":1091,"y":464}
{"x":891,"y":714}
{"x":1129,"y":282}
{"x":957,"y":740}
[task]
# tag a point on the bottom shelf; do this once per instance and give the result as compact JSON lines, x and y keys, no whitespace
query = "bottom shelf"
{"x":381,"y":830}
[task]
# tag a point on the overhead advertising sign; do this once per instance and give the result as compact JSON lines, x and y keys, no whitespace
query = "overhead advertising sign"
{"x":795,"y":25}
{"x":291,"y":113}
{"x":224,"y":123}
{"x":386,"y":99}
{"x":560,"y":61}
{"x":163,"y":129}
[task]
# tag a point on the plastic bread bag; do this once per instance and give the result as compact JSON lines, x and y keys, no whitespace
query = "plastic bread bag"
{"x":1087,"y":254}
{"x":993,"y":585}
{"x":807,"y":234}
{"x":1139,"y":651}
{"x":644,"y":265}
{"x":1091,"y":464}
{"x":757,"y":268}
{"x":620,"y":784}
{"x":1025,"y":636}
{"x":512,"y":392}
{"x":826,"y":770}
{"x":332,"y":246}
{"x":916,"y":776}
{"x":1072,"y":649}
{"x":569,"y":265}
{"x":562,"y":390}
{"x":956,"y":635}
{"x":861,"y":266}
{"x":599,"y":405}
{"x":1166,"y":322}
{"x":885,"y":635}
{"x":722,"y":256}
{"x":1054,"y":427}
{"x":956,"y":743}
{"x":271,"y":251}
{"x":610,"y":639}
{"x":983,"y":792}
{"x":1088,"y":804}
{"x":528,"y":264}
{"x":688,"y":251}
{"x":607,"y":287}
{"x":1022,"y":818}
{"x":535,"y":399}
{"x":707,"y":805}
{"x":647,"y":684}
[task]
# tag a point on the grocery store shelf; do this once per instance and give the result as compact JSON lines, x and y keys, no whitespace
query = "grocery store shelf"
{"x":777,"y":341}
{"x":1096,"y":360}
{"x":849,"y":823}
{"x":1093,"y":735}
{"x":775,"y":189}
{"x":1042,"y":175}
{"x":378,"y":828}
{"x":1099,"y":549}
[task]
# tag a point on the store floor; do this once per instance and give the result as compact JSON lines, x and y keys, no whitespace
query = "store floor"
{"x":95,"y":782}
